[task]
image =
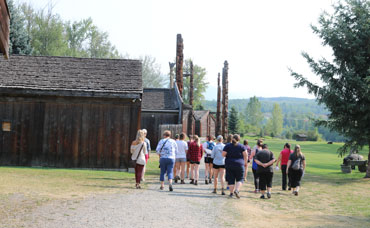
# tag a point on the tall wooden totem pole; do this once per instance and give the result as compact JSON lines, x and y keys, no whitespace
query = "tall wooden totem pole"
{"x":218,"y":113}
{"x":225,"y":99}
{"x":179,"y":63}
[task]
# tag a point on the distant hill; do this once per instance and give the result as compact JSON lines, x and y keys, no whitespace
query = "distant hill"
{"x":287,"y":104}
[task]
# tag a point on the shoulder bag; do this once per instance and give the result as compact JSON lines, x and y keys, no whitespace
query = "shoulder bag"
{"x":138,"y":154}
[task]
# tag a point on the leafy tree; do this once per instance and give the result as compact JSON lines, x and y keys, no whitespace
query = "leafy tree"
{"x":47,"y":32}
{"x":233,"y":121}
{"x":18,"y":37}
{"x":277,"y":120}
{"x":152,"y":76}
{"x":288,"y":135}
{"x":200,"y":83}
{"x":253,"y":112}
{"x":77,"y":37}
{"x":346,"y":79}
{"x":99,"y":44}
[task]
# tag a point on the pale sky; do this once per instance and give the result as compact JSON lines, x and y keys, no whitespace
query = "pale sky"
{"x":259,"y":39}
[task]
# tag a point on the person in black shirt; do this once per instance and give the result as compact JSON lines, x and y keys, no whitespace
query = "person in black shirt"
{"x":296,"y":166}
{"x":265,"y":159}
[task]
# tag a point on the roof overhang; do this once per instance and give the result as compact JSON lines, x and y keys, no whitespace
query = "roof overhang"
{"x":67,"y":93}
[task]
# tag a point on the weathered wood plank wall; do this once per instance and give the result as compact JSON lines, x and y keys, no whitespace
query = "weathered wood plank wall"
{"x":79,"y":133}
{"x":151,"y":120}
{"x":174,"y":128}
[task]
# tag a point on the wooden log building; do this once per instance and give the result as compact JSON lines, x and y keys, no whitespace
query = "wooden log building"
{"x":205,"y":123}
{"x":68,"y":112}
{"x":164,"y":106}
{"x":4,"y":28}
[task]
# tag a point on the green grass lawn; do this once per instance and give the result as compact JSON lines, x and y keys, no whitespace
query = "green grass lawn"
{"x":327,"y":194}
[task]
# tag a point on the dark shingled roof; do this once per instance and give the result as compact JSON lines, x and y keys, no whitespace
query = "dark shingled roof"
{"x":72,"y":76}
{"x":198,"y":114}
{"x":159,"y":99}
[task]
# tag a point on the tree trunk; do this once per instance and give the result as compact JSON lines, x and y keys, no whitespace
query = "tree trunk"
{"x":368,"y":164}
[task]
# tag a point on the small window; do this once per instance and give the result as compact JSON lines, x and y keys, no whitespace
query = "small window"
{"x":6,"y":126}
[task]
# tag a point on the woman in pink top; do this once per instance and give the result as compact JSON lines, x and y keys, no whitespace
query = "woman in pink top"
{"x":283,"y":159}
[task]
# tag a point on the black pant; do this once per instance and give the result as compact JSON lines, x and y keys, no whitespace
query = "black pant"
{"x":296,"y":176}
{"x":256,"y":179}
{"x":265,"y":180}
{"x":284,"y":176}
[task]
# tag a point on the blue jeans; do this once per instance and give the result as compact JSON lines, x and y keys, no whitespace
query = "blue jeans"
{"x":167,"y":165}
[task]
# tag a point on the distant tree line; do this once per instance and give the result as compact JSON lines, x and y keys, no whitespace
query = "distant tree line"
{"x":277,"y":117}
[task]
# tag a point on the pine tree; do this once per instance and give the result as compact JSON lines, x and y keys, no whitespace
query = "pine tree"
{"x":18,"y":37}
{"x":233,"y":121}
{"x":346,"y":80}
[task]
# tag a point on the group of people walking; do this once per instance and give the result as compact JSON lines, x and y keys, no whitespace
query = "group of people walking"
{"x":224,"y":159}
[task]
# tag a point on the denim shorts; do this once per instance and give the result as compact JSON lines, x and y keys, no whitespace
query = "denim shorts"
{"x":180,"y":159}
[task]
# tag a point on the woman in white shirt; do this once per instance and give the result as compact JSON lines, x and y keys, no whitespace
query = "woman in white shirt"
{"x":219,"y":164}
{"x":167,"y":149}
{"x":182,"y":150}
{"x":138,"y":151}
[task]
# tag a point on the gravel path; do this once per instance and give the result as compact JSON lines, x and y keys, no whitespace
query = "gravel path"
{"x":186,"y":206}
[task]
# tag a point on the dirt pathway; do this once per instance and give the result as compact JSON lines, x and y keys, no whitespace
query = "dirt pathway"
{"x":186,"y":206}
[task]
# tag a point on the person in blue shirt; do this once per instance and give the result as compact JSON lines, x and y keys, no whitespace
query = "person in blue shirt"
{"x":236,"y":156}
{"x":218,"y":164}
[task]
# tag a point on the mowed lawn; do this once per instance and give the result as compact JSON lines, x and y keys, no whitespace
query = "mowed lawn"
{"x":328,"y":198}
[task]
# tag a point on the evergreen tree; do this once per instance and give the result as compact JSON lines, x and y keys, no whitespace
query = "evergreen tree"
{"x":277,"y":120}
{"x":18,"y":37}
{"x":233,"y":121}
{"x":346,"y":81}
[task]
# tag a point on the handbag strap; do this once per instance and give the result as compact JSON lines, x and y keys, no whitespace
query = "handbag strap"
{"x":163,"y":146}
{"x":138,"y":154}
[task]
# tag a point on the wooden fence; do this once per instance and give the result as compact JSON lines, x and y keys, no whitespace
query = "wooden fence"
{"x":174,"y":128}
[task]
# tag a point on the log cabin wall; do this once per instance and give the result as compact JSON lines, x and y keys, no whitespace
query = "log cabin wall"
{"x":69,"y":133}
{"x":69,"y":112}
{"x":151,"y":121}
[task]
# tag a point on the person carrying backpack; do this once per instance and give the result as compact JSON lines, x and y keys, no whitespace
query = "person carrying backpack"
{"x":295,"y":168}
{"x":208,"y":160}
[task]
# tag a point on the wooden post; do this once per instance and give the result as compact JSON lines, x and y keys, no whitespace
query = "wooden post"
{"x":191,"y":100}
{"x":218,"y":113}
{"x":179,"y":63}
{"x":225,"y":99}
{"x":171,"y":74}
{"x":191,"y":90}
